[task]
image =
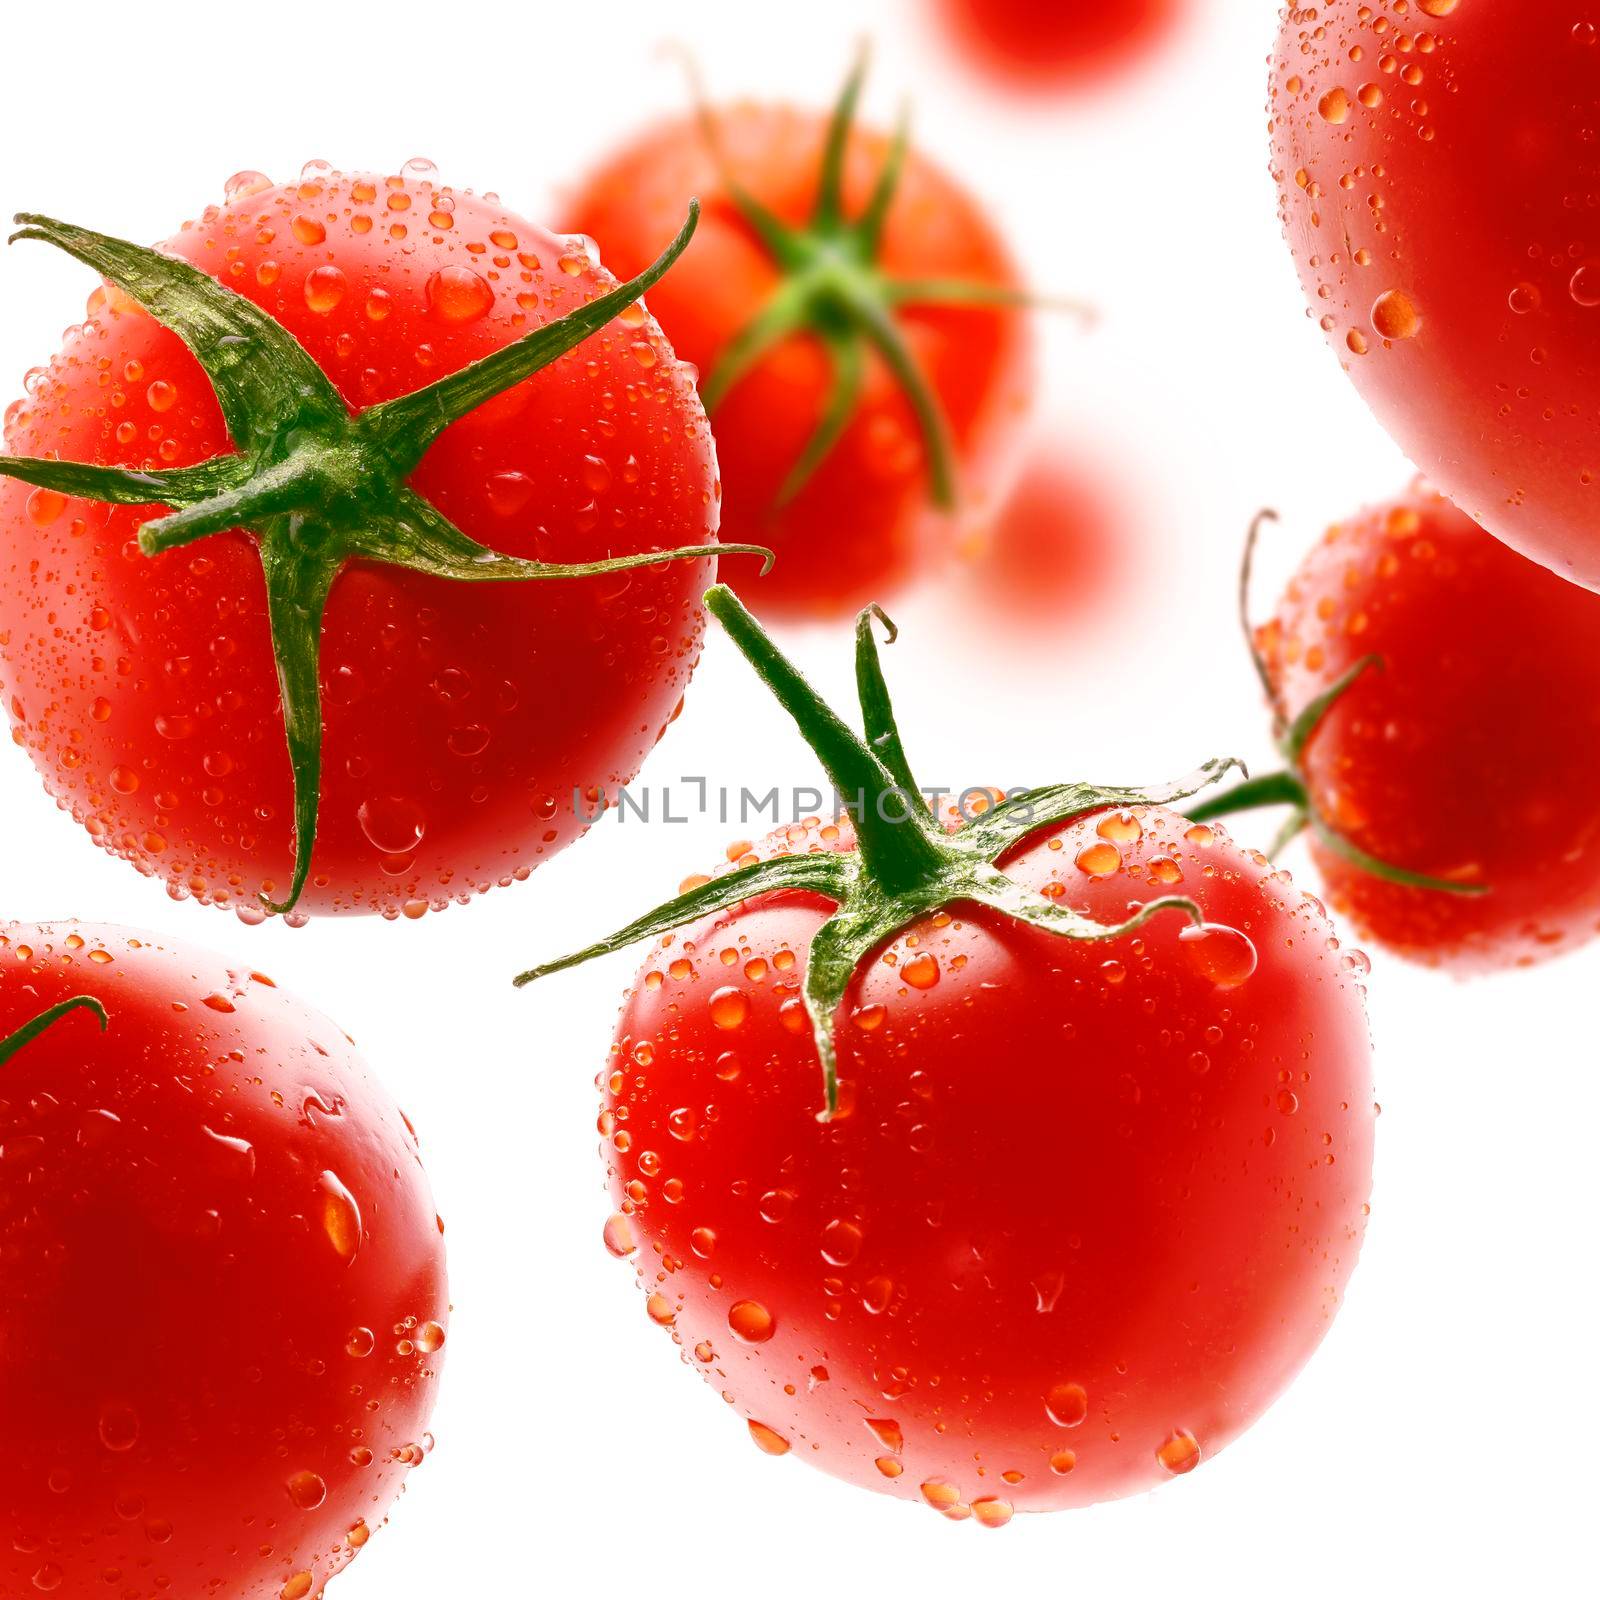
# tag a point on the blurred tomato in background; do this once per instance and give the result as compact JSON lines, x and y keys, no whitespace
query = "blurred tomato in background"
{"x":1051,"y":45}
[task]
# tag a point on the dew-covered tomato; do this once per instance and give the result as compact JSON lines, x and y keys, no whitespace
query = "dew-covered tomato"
{"x":458,"y":718}
{"x":222,"y":1281}
{"x":1045,"y":45}
{"x":865,"y":382}
{"x":1435,"y":163}
{"x":1472,"y":756}
{"x":1083,"y":1174}
{"x":1085,"y":1211}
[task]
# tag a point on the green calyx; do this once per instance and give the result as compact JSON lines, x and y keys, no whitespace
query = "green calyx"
{"x":833,"y":288}
{"x":316,"y":485}
{"x":1288,"y":787}
{"x":30,"y":1031}
{"x":906,"y":864}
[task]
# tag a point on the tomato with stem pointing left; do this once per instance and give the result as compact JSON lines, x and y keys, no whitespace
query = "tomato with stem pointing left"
{"x":1439,"y":700}
{"x":334,"y":573}
{"x":222,"y":1279}
{"x":1082,"y":1176}
{"x":860,"y":332}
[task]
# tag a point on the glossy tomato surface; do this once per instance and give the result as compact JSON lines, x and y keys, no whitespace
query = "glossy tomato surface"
{"x":1436,"y":168}
{"x":1472,"y":756}
{"x":864,"y":524}
{"x":222,"y":1280}
{"x":1058,"y":44}
{"x":1087,"y":1207}
{"x":460,"y":718}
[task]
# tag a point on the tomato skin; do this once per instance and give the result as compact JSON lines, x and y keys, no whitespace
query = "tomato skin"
{"x":1471,"y":756}
{"x":1487,"y":381}
{"x":1056,"y":1165}
{"x":144,"y":689}
{"x":1046,"y":45}
{"x":180,"y":1283}
{"x":863,"y":527}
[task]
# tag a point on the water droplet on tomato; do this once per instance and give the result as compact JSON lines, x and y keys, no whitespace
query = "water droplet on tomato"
{"x":1067,"y":1405}
{"x":1179,"y":1452}
{"x":1121,"y":827}
{"x":618,"y":1235}
{"x":392,"y":824}
{"x":307,"y":1490}
{"x":360,"y":1343}
{"x":991,"y":1512}
{"x":341,"y":1217}
{"x":751,"y":1322}
{"x":1395,"y":317}
{"x":1222,"y":954}
{"x":1099,"y":860}
{"x":509,"y":492}
{"x":458,"y":294}
{"x":119,"y":1427}
{"x":729,"y":1007}
{"x":841,"y":1242}
{"x":768,"y":1439}
{"x":244,"y":184}
{"x":921,"y":971}
{"x":888,"y":1433}
{"x":325,"y":287}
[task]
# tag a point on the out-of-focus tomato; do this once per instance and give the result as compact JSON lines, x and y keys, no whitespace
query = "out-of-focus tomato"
{"x":1047,"y":45}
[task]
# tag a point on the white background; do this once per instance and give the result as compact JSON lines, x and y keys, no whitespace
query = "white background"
{"x":1444,"y":1436}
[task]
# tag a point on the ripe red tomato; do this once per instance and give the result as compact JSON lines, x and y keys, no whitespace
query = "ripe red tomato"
{"x":1080,"y":1181}
{"x":1471,"y":756}
{"x":864,"y":519}
{"x":459,"y":718}
{"x":1433,"y":159}
{"x":222,"y":1282}
{"x":1057,"y":549}
{"x":1084,"y":1214}
{"x":1045,"y":45}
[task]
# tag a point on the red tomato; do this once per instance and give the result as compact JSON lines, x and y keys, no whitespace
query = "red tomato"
{"x":459,"y":718}
{"x":864,"y":522}
{"x":1471,"y":756}
{"x":1087,"y":1206}
{"x":222,"y":1282}
{"x":1433,"y":159}
{"x":1045,"y":45}
{"x":1056,"y":551}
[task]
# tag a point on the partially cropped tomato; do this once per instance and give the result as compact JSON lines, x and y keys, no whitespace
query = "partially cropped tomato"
{"x":457,"y":717}
{"x":1468,"y":751}
{"x":1044,"y":45}
{"x":1089,"y":1183}
{"x":865,"y":361}
{"x":222,"y":1281}
{"x":1435,"y":160}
